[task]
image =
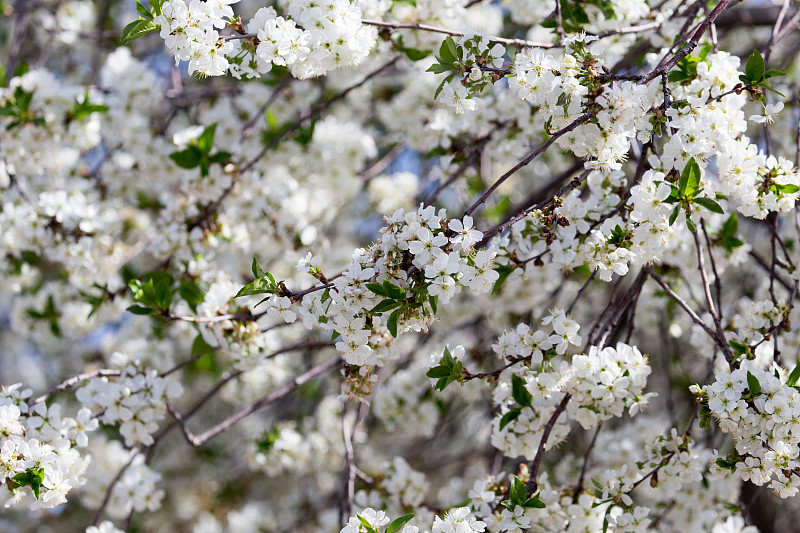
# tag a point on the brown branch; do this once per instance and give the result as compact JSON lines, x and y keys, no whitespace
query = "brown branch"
{"x":71,"y":382}
{"x":726,"y":350}
{"x":197,"y":440}
{"x":521,"y":43}
{"x":532,"y":486}
{"x":530,"y":157}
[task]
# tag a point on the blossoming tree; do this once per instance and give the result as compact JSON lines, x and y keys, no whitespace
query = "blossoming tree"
{"x":379,"y":266}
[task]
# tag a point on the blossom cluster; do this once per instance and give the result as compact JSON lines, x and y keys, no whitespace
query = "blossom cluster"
{"x":420,"y":260}
{"x":136,"y":401}
{"x":39,"y":458}
{"x":761,"y":412}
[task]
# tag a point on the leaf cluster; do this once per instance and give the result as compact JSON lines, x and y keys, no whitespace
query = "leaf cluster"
{"x":198,"y":153}
{"x":517,"y":495}
{"x":144,"y":24}
{"x":687,"y":193}
{"x":755,"y":75}
{"x":447,"y":371}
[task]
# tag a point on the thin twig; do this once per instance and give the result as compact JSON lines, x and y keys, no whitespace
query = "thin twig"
{"x":532,"y":486}
{"x":530,"y":157}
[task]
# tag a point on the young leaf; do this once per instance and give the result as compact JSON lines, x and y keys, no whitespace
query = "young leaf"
{"x":434,"y":300}
{"x":382,"y":307}
{"x":201,"y":347}
{"x":378,"y":289}
{"x":519,"y":392}
{"x":710,"y":204}
{"x":730,"y":226}
{"x":139,"y":310}
{"x":509,"y":417}
{"x":256,"y":268}
{"x":674,"y":215}
{"x":754,"y":68}
{"x":137,"y":29}
{"x":366,"y":525}
{"x":391,"y":324}
{"x":690,"y":223}
{"x":398,"y":523}
{"x":753,"y":385}
{"x":448,"y":51}
{"x":206,"y":139}
{"x":393,"y":291}
{"x":690,"y":179}
{"x":438,"y":372}
{"x":794,"y":376}
{"x":534,"y":503}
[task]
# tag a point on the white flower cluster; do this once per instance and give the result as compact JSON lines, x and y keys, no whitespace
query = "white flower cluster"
{"x":556,"y":87}
{"x":764,"y":424}
{"x":405,"y":402}
{"x":710,"y":127}
{"x":602,"y":383}
{"x":311,"y":40}
{"x":524,"y":343}
{"x":404,"y":483}
{"x":605,"y":382}
{"x":136,"y":400}
{"x":425,"y":257}
{"x":458,"y":520}
{"x":39,"y":460}
{"x":480,"y":61}
{"x":190,"y":32}
{"x":137,"y":488}
{"x":757,"y":319}
{"x":375,"y":519}
{"x":285,"y":449}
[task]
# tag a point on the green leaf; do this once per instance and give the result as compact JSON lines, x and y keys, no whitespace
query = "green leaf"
{"x":441,"y":85}
{"x":143,"y":10}
{"x":438,"y":68}
{"x":690,"y":179}
{"x":710,"y":204}
{"x":447,"y":358}
{"x":690,"y":224}
{"x":730,"y":226}
{"x":398,"y":523}
{"x":192,"y":294}
{"x":258,"y":272}
{"x":258,"y":286}
{"x":201,"y":347}
{"x":155,"y":6}
{"x":378,"y":289}
{"x":366,"y":525}
{"x":136,"y":29}
{"x":534,"y":503}
{"x":391,"y":324}
{"x":438,"y":372}
{"x":753,"y":385}
{"x":415,"y":55}
{"x":786,"y":188}
{"x":773,"y":74}
{"x":139,"y":310}
{"x":220,"y":157}
{"x":503,"y":271}
{"x":509,"y":417}
{"x":393,"y":291}
{"x":519,"y":392}
{"x":434,"y":300}
{"x":794,"y":376}
{"x":206,"y":139}
{"x":517,"y":492}
{"x":188,"y":158}
{"x":385,"y":305}
{"x":448,"y":50}
{"x":754,"y":68}
{"x":674,"y":215}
